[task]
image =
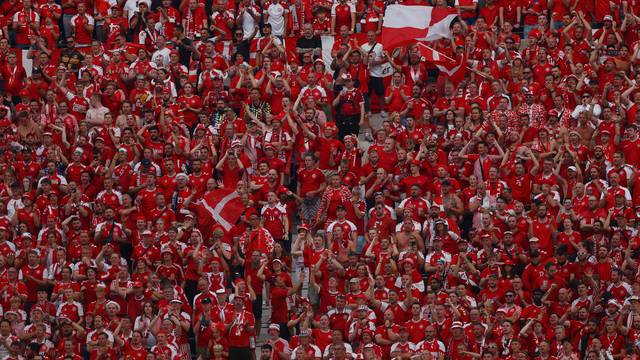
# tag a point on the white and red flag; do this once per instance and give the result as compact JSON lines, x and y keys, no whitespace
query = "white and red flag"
{"x":222,"y":206}
{"x":409,"y":23}
{"x":455,"y":69}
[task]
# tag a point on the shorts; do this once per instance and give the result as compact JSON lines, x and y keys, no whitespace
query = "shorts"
{"x":348,"y":125}
{"x":204,"y":352}
{"x":367,"y":102}
{"x":298,"y":271}
{"x":257,"y":307}
{"x":284,"y":331}
{"x":376,"y":86}
{"x":470,"y":21}
{"x":360,"y":244}
{"x":432,"y":75}
{"x":309,"y":208}
{"x":239,"y":353}
{"x":314,"y":296}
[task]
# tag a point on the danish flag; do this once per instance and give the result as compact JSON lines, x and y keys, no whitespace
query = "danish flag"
{"x":221,"y":206}
{"x":454,"y":69}
{"x":407,"y":23}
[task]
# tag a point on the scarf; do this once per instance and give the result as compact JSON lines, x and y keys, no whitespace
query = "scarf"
{"x":345,"y":196}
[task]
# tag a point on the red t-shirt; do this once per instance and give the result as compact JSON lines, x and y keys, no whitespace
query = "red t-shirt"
{"x":278,"y":305}
{"x":194,"y":102}
{"x":79,"y":23}
{"x":342,"y":12}
{"x":310,"y":180}
{"x":238,"y":334}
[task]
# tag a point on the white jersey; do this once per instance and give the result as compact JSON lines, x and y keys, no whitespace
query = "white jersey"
{"x":276,"y":13}
{"x":376,"y":51}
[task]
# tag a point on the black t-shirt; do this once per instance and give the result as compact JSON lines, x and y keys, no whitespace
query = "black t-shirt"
{"x":304,"y":43}
{"x":243,"y":48}
{"x":184,"y":46}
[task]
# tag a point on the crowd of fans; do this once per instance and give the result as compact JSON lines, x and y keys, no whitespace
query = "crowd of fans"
{"x":490,"y":216}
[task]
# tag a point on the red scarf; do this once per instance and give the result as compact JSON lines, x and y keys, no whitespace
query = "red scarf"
{"x":345,"y":196}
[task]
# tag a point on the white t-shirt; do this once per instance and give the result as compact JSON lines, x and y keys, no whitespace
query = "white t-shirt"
{"x":375,"y":70}
{"x":161,"y":57}
{"x":248,"y":22}
{"x":131,"y":6}
{"x":276,"y":14}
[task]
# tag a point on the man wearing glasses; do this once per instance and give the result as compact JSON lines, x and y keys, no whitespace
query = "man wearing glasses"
{"x":587,"y":105}
{"x":71,"y":55}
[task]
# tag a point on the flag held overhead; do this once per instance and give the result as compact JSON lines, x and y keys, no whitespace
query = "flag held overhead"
{"x":406,"y":24}
{"x":454,"y":69}
{"x":222,"y":206}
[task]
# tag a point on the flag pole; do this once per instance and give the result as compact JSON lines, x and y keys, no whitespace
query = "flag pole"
{"x":436,"y":51}
{"x":451,"y":59}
